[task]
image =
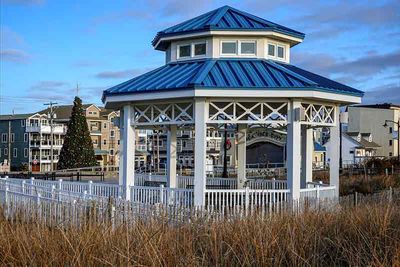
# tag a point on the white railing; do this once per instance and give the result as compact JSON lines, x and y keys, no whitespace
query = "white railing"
{"x":247,"y":197}
{"x":319,"y":192}
{"x":162,"y":195}
{"x":266,"y":184}
{"x":28,"y":189}
{"x":95,"y":189}
{"x":57,"y":128}
{"x":187,"y":182}
{"x":93,"y":169}
{"x":243,"y":200}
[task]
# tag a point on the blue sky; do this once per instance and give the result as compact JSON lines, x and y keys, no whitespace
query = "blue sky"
{"x":48,"y":47}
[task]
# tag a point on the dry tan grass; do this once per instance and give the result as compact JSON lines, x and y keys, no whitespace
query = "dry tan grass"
{"x":366,"y":235}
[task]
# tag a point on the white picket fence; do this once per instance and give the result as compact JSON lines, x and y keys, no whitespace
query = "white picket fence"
{"x":187,"y":182}
{"x":22,"y":188}
{"x":162,"y":195}
{"x":318,"y":192}
{"x":82,"y":203}
{"x":256,"y":194}
{"x":95,"y":189}
{"x":245,"y":197}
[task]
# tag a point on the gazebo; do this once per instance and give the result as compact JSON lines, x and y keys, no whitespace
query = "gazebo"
{"x":228,"y":67}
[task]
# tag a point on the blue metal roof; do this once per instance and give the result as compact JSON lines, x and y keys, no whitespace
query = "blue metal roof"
{"x":229,"y":74}
{"x":225,"y":18}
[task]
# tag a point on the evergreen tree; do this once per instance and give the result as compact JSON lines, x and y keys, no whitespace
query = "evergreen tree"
{"x":77,"y":151}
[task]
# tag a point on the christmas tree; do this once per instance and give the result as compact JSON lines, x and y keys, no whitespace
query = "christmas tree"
{"x":77,"y":151}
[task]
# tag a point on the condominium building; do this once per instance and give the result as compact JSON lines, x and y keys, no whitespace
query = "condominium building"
{"x":103,"y":132}
{"x":371,"y":119}
{"x":26,"y":138}
{"x":26,"y":141}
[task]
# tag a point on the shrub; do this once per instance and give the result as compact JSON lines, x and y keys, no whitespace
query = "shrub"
{"x":368,"y":235}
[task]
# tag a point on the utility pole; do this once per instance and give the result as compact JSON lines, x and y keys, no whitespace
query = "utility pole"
{"x":9,"y":143}
{"x":51,"y":116}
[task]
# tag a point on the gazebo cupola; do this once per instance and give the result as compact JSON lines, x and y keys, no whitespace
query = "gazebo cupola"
{"x":227,"y":33}
{"x":228,"y":67}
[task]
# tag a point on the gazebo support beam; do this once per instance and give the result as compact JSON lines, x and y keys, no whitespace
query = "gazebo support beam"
{"x":200,"y":155}
{"x":307,"y":149}
{"x":334,"y":155}
{"x":294,"y":150}
{"x":241,"y":172}
{"x":127,"y":147}
{"x":171,"y":156}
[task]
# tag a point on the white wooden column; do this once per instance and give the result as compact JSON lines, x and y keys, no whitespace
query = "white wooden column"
{"x":200,"y":149}
{"x":127,"y":152}
{"x":334,"y":153}
{"x":241,"y":171}
{"x":293,"y":150}
{"x":307,"y":150}
{"x":171,"y":157}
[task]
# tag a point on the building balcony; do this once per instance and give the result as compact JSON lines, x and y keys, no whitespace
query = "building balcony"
{"x":95,"y":132}
{"x":46,"y":144}
{"x":57,"y":129}
{"x":45,"y":158}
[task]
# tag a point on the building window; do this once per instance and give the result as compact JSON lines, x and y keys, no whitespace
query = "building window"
{"x":390,"y":154}
{"x":112,"y":133}
{"x":105,"y":125}
{"x":390,"y":130}
{"x":95,"y":141}
{"x":15,"y":152}
{"x":12,"y":139}
{"x":111,"y":152}
{"x":271,"y":50}
{"x":25,"y":152}
{"x":390,"y":142}
{"x":118,"y":142}
{"x":228,"y":47}
{"x":23,"y":123}
{"x":4,"y":138}
{"x":25,"y":137}
{"x":248,"y":47}
{"x":159,"y":144}
{"x":276,"y":51}
{"x":5,"y":151}
{"x":104,"y":142}
{"x":281,"y":52}
{"x":184,"y":51}
{"x":200,"y":49}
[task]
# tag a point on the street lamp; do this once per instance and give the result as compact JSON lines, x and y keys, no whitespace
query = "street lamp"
{"x":398,"y":135}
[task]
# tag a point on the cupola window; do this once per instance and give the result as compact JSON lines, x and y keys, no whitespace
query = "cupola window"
{"x":199,"y":49}
{"x":271,"y":50}
{"x":184,"y":51}
{"x":276,"y":51}
{"x":229,"y":47}
{"x":248,"y":47}
{"x":281,"y":52}
{"x":192,"y":50}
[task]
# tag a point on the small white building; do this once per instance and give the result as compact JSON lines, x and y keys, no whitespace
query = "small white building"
{"x":356,"y":148}
{"x":371,"y":118}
